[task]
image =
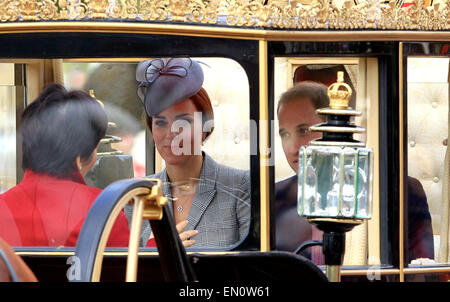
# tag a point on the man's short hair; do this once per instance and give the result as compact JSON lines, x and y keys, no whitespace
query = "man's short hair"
{"x":315,"y":92}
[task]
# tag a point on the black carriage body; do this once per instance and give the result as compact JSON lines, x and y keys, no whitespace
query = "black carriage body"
{"x":49,"y":264}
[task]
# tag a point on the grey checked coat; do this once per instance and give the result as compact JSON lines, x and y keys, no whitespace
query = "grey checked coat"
{"x":220,"y":210}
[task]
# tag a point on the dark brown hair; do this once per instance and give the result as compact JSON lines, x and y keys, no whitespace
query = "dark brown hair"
{"x":316,"y":92}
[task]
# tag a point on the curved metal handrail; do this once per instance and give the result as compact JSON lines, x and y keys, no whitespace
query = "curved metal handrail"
{"x":9,"y":267}
{"x":306,"y":245}
{"x":100,"y":220}
{"x":17,"y":270}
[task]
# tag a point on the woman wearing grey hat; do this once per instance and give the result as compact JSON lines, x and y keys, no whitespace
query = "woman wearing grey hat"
{"x":208,"y":200}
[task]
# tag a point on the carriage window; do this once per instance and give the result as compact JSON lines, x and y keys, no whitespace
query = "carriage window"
{"x":115,"y":86}
{"x":427,"y":227}
{"x":293,"y":118}
{"x":226,"y":83}
{"x":226,"y":188}
{"x":216,"y":202}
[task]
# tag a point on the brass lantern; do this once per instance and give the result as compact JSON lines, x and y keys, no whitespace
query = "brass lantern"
{"x":335,"y":176}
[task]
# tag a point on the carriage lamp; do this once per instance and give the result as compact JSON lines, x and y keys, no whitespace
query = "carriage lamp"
{"x":335,"y":177}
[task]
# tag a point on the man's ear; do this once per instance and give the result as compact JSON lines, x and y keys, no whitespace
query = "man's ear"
{"x":78,"y":162}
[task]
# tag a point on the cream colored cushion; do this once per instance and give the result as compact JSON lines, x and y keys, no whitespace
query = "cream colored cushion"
{"x":428,"y":128}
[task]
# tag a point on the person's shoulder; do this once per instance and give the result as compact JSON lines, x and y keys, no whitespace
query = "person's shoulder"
{"x":232,"y":181}
{"x":4,"y":197}
{"x":414,"y":184}
{"x":232,"y":173}
{"x":10,"y":192}
{"x":76,"y":193}
{"x":23,"y":191}
{"x":286,"y":183}
{"x":85,"y":190}
{"x":286,"y":191}
{"x":416,"y":193}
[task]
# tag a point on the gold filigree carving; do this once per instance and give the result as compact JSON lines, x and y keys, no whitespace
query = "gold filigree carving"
{"x":98,"y":9}
{"x":28,"y":10}
{"x":178,"y":9}
{"x":72,"y":10}
{"x":145,"y":10}
{"x":9,"y":11}
{"x":270,"y":14}
{"x":233,"y":10}
{"x":48,"y":10}
{"x":122,"y":9}
{"x":203,"y":11}
{"x":324,"y":13}
{"x":161,"y":10}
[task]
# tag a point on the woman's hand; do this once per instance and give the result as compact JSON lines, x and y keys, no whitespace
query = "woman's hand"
{"x":186,"y":236}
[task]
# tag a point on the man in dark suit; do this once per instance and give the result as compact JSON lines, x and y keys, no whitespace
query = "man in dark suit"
{"x":296,"y":113}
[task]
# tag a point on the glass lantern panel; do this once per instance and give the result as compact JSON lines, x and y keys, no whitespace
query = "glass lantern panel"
{"x":320,"y":192}
{"x":348,"y":182}
{"x":334,"y":182}
{"x":364,"y":183}
{"x":309,"y":188}
{"x":301,"y":166}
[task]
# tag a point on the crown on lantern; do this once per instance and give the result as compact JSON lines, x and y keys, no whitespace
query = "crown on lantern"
{"x":339,"y":93}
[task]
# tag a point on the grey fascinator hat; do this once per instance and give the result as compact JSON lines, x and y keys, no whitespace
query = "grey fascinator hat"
{"x":166,"y":81}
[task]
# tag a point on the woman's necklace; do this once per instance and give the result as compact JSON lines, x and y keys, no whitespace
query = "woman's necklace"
{"x":180,"y":207}
{"x":185,"y":189}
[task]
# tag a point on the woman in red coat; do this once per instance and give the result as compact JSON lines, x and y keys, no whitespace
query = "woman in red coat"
{"x":60,"y":131}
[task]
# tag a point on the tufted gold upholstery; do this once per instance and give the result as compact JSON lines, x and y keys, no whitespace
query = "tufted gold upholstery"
{"x":356,"y":246}
{"x":227,"y":85}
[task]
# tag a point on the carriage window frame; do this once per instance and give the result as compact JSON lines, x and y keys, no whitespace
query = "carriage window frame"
{"x":242,"y":51}
{"x":386,"y":53}
{"x":389,"y":108}
{"x":366,"y":91}
{"x":153,"y":160}
{"x":413,"y":50}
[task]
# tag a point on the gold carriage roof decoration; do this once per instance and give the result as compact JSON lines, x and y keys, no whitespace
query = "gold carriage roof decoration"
{"x":259,"y":14}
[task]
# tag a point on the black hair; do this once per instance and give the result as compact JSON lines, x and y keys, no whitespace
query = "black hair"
{"x":57,"y":127}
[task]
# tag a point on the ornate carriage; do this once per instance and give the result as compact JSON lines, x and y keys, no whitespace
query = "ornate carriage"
{"x":395,"y":54}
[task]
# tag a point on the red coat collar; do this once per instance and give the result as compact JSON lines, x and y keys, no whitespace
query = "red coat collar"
{"x":75,"y":176}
